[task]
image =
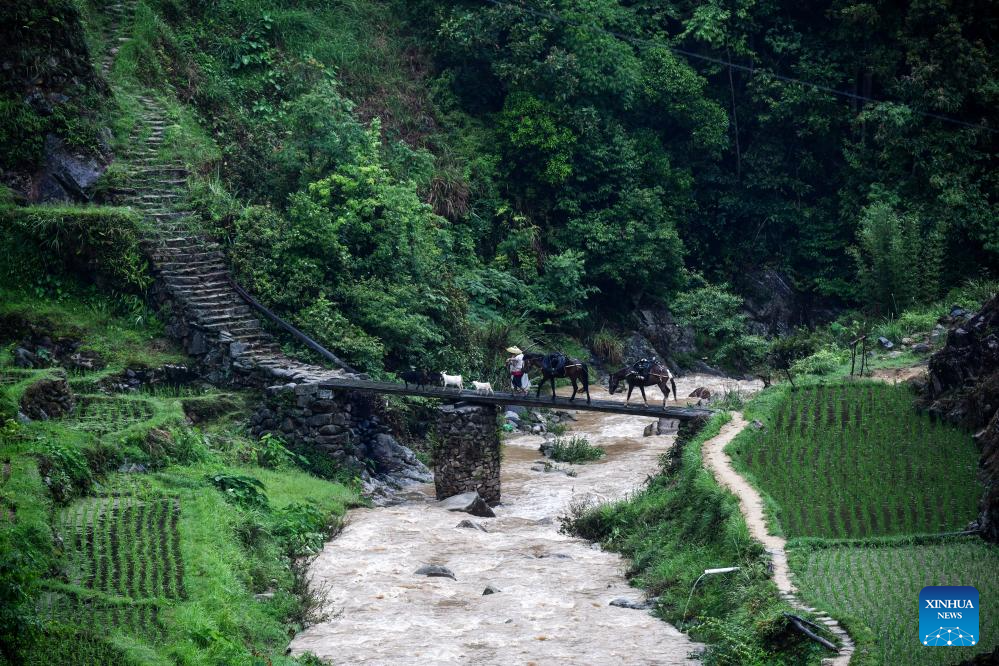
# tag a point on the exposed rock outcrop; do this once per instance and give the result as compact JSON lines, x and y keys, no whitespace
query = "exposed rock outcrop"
{"x":47,"y":399}
{"x":963,"y":387}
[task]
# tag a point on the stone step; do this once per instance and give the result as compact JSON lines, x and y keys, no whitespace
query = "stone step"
{"x":189,"y":257}
{"x":218,"y":279}
{"x":186,"y":242}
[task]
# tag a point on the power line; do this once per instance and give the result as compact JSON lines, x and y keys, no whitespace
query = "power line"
{"x":646,"y":43}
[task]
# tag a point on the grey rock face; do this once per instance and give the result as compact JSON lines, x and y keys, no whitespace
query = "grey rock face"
{"x":772,"y":304}
{"x":395,"y":462}
{"x":67,"y":177}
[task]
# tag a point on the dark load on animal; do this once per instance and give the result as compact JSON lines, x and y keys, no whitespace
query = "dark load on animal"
{"x":420,"y":378}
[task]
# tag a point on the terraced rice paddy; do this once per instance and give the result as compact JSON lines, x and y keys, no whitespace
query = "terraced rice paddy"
{"x":854,"y":460}
{"x":102,"y":415}
{"x":9,"y":376}
{"x":880,"y":587}
{"x":123,"y":559}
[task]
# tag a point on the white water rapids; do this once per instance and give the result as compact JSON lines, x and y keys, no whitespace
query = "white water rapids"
{"x":553,"y":607}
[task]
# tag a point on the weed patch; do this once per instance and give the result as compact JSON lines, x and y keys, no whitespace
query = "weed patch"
{"x":575,"y":450}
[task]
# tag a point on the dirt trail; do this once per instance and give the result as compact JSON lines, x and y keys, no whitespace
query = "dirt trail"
{"x":751,"y":505}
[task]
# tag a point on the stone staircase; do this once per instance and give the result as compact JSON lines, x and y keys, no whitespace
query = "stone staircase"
{"x":213,"y":322}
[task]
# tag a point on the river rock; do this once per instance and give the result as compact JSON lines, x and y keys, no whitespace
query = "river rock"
{"x":633,"y":604}
{"x":435,"y":571}
{"x":491,"y":589}
{"x":921,"y":348}
{"x":649,"y":430}
{"x":700,"y":392}
{"x":511,"y":415}
{"x":667,"y":426}
{"x":469,"y":503}
{"x":471,"y":525}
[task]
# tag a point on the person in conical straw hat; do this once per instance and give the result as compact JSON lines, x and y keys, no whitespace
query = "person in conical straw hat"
{"x":515,"y":364}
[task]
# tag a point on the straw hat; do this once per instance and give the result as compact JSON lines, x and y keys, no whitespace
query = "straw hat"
{"x":514,"y":350}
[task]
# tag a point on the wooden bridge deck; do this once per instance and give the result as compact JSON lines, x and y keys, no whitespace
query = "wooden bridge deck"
{"x":607,"y":406}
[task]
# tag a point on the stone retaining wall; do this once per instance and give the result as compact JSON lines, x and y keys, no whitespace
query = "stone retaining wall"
{"x":467,"y":451}
{"x":47,"y":399}
{"x":348,"y":426}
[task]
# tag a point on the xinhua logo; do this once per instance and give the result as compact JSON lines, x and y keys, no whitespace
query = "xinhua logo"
{"x":948,"y":615}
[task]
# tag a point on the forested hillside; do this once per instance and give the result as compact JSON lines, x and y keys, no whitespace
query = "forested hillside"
{"x":411,"y":182}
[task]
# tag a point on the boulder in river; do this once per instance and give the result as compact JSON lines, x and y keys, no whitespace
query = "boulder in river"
{"x":633,"y":604}
{"x":469,"y":503}
{"x":471,"y":525}
{"x":435,"y":571}
{"x":491,"y":589}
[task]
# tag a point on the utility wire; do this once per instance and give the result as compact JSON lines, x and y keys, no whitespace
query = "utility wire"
{"x":646,"y":43}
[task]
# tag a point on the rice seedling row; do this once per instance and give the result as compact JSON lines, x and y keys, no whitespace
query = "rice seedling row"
{"x":879,"y":585}
{"x":125,"y":546}
{"x":102,"y":415}
{"x":101,"y":615}
{"x":855,"y":460}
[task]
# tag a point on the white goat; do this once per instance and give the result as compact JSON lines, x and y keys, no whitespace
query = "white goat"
{"x":483,"y":387}
{"x":452,"y":380}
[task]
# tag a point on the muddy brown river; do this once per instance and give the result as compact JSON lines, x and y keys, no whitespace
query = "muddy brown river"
{"x":553,"y":607}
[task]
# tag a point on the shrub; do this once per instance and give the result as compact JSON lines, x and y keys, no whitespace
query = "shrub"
{"x":273,"y":453}
{"x":187,"y":445}
{"x":973,"y":293}
{"x":822,"y":362}
{"x":302,"y":529}
{"x":65,"y":470}
{"x":240,"y":489}
{"x":715,"y":314}
{"x":576,"y":449}
{"x":93,"y":241}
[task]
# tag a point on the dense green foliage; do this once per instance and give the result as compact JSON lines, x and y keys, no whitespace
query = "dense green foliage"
{"x":681,"y":523}
{"x":878,"y":584}
{"x":841,"y":460}
{"x":402,"y":179}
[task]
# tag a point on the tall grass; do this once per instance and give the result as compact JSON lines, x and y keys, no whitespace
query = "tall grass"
{"x":575,"y":450}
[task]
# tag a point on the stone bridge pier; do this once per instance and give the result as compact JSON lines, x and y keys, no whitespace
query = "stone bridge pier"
{"x":467,"y":451}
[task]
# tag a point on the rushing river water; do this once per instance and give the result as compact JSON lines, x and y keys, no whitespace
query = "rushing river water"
{"x":553,"y":607}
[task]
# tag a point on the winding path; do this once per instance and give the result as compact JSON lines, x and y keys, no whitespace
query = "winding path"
{"x":751,"y":505}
